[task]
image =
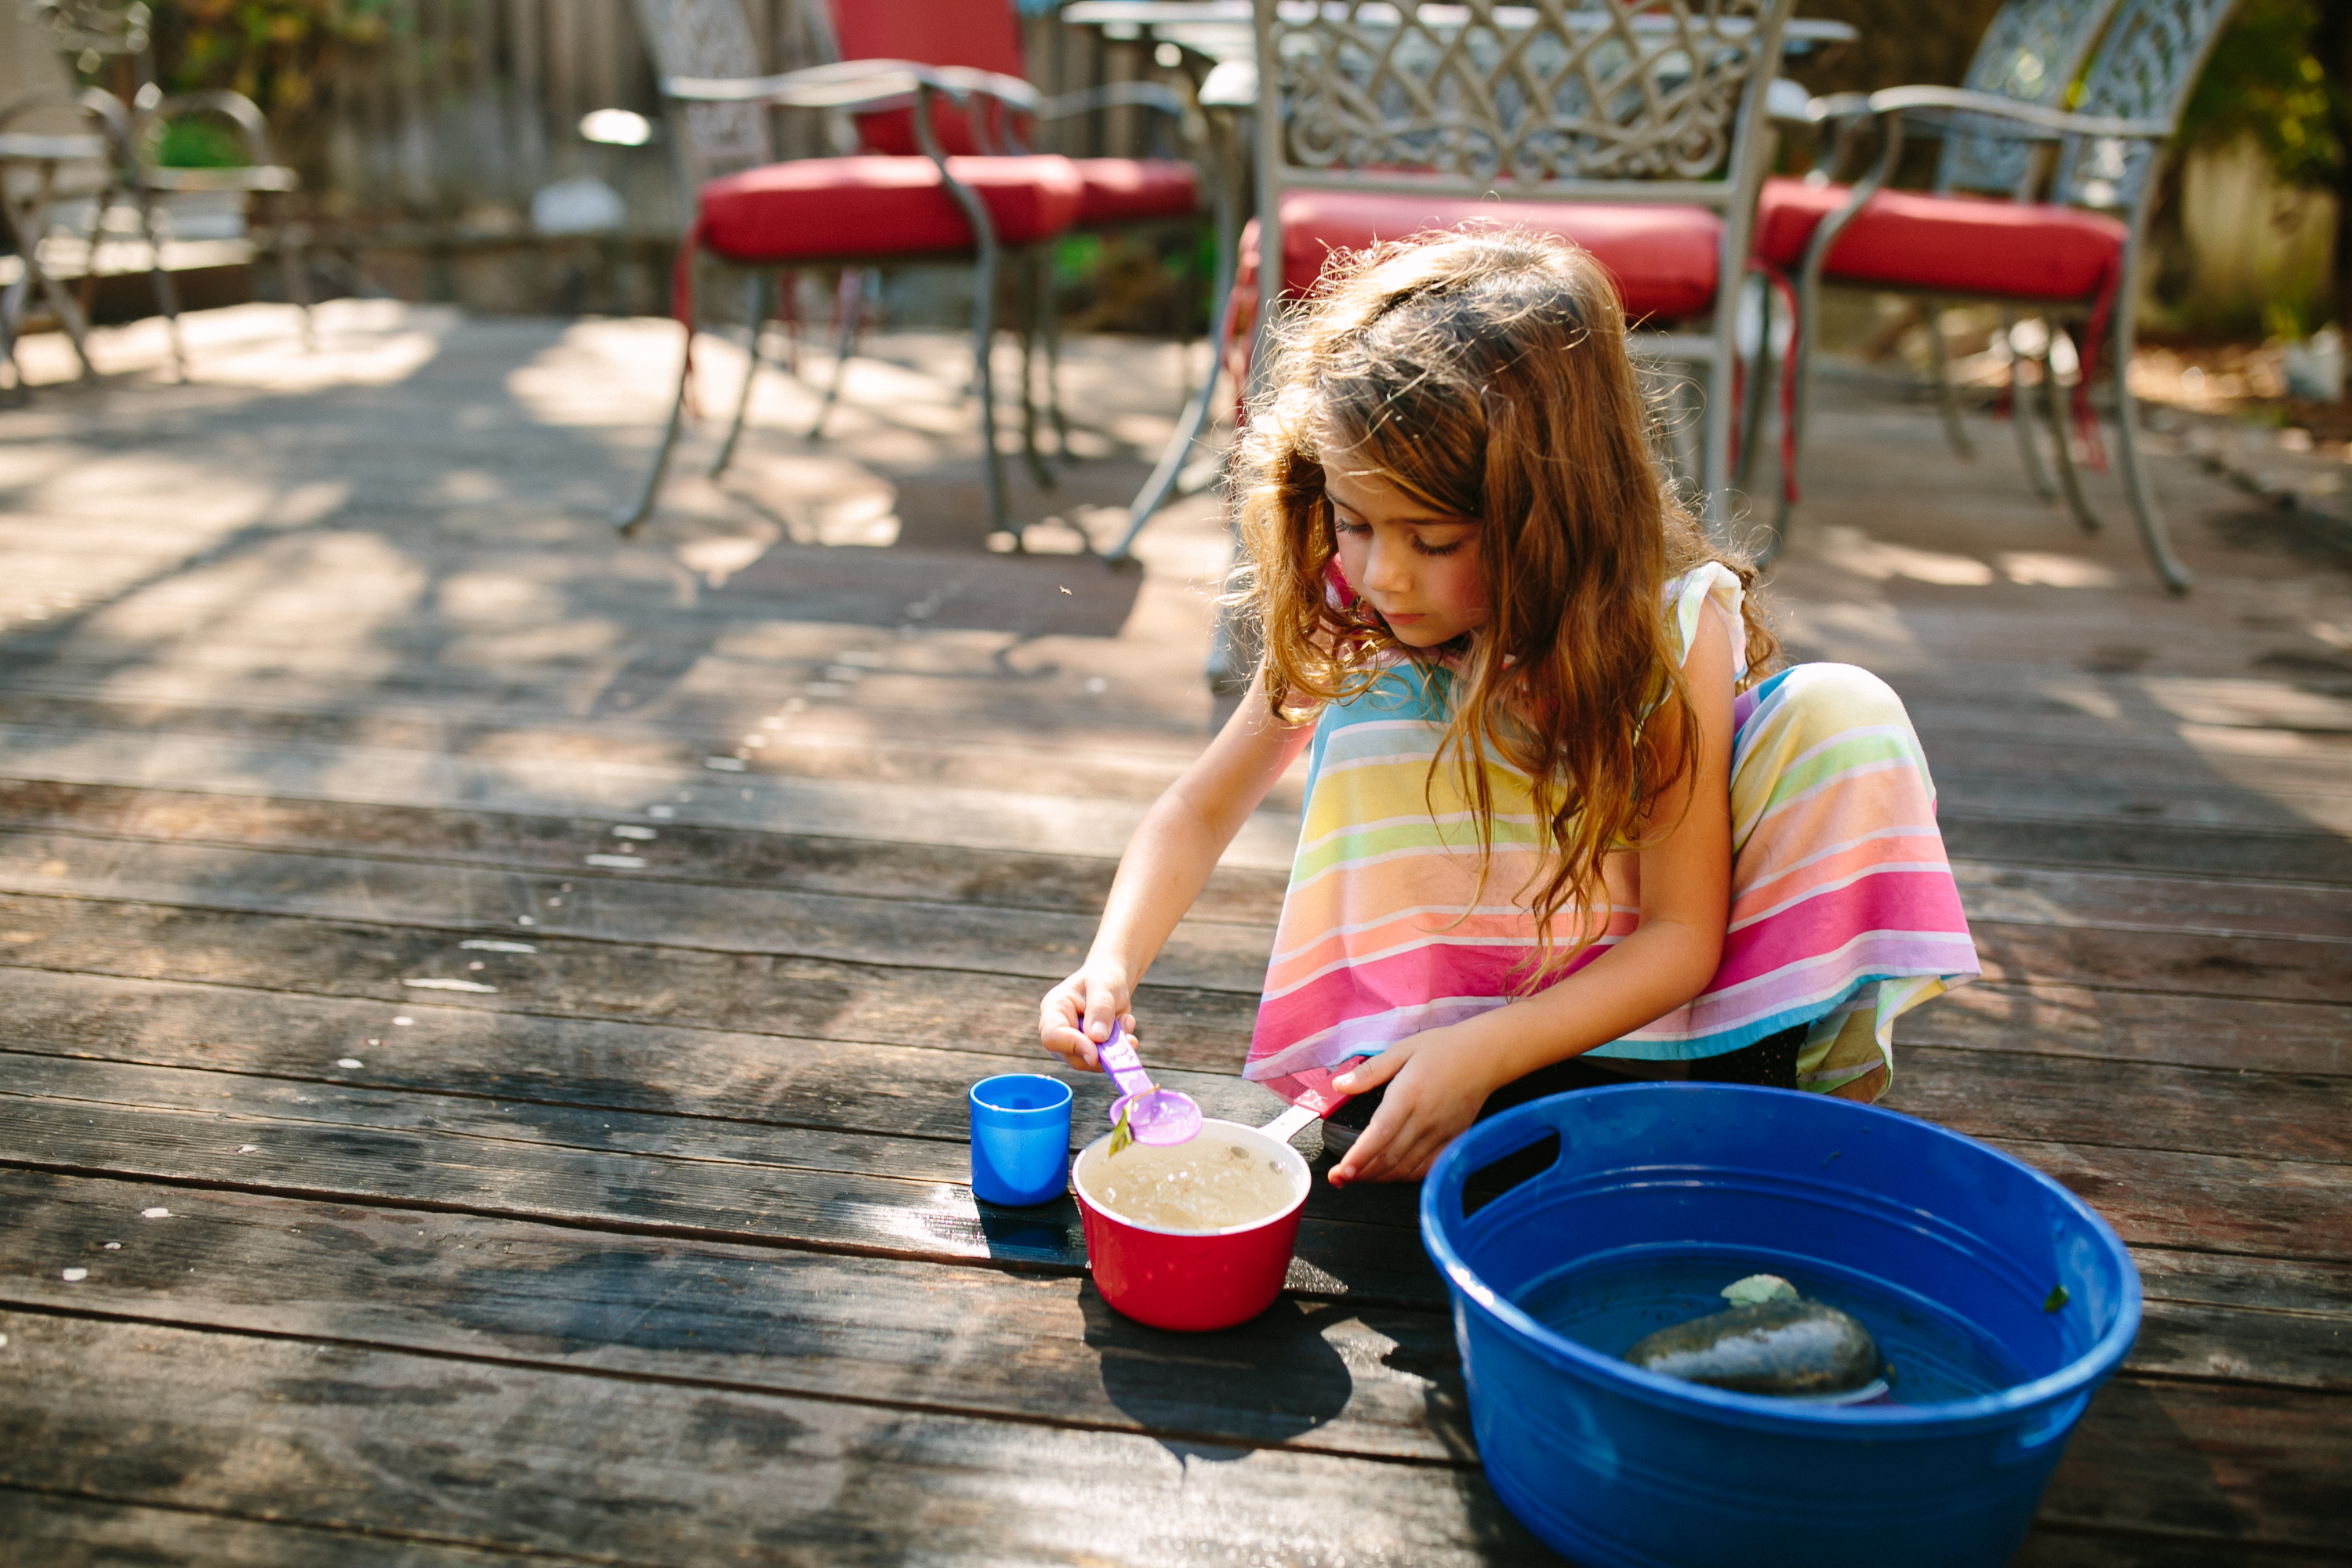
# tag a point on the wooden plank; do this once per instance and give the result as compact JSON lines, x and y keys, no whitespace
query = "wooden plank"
{"x":461,"y":1452}
{"x":45,"y":1530}
{"x":344,"y":1435}
{"x":2198,"y":756}
{"x":1193,"y":1030}
{"x":1336,"y":1378}
{"x":888,"y":1196}
{"x":2191,"y":1109}
{"x":383,"y":775}
{"x":2121,"y":901}
{"x":2060,"y":1543}
{"x":2161,"y":962}
{"x":477,"y":903}
{"x":610,"y":1170}
{"x":2222,"y":1464}
{"x":643,"y":907}
{"x":800,"y":862}
{"x":1319,"y":1376}
{"x":1086,"y":754}
{"x":2128,"y":1026}
{"x":2148,"y":846}
{"x":918,"y":1091}
{"x":2186,"y":802}
{"x":2262,"y":1208}
{"x":886,"y":733}
{"x":913,"y":1088}
{"x":2129,"y":901}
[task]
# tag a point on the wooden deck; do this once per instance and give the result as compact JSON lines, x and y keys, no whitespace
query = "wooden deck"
{"x":487,"y":1008}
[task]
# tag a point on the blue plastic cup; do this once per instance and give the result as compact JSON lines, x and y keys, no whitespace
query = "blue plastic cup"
{"x":1020,"y":1137}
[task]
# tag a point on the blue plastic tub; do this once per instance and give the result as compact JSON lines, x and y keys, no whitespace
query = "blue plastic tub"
{"x":1951,"y":1253}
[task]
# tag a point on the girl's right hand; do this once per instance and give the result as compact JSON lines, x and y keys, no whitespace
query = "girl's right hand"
{"x":1077,"y":1014}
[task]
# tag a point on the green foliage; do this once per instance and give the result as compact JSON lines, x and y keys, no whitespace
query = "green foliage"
{"x":2265,"y":80}
{"x":277,"y":52}
{"x":200,"y":141}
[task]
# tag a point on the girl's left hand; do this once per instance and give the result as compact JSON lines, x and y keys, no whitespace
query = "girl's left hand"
{"x":1436,"y":1082}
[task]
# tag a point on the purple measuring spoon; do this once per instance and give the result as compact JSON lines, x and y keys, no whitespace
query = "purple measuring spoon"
{"x":1153,"y":1115}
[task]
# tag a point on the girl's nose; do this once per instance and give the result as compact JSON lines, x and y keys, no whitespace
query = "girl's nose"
{"x":1385,"y":569}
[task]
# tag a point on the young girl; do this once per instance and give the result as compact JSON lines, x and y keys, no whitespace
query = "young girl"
{"x":1556,"y":831}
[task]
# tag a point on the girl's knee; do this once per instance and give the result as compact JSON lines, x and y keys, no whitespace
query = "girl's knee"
{"x":1846,"y":694}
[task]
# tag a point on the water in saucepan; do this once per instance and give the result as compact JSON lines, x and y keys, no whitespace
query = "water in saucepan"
{"x":1932,"y":1356}
{"x":1207,"y":1184}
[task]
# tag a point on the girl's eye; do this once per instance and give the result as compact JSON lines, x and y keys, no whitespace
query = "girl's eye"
{"x":1341,"y":525}
{"x":1436,"y":548}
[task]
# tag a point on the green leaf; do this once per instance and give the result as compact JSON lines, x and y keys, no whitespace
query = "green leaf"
{"x":1121,"y":1135}
{"x":1758,"y":1288}
{"x":2055,"y":1299}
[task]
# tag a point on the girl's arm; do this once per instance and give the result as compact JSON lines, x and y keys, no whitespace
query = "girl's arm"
{"x":1166,"y":865}
{"x":1438,"y":1079}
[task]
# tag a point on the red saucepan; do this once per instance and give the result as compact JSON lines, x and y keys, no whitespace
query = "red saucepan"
{"x":1196,"y":1280}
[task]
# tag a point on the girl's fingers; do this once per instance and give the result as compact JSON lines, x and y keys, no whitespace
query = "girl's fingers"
{"x":1372,"y":1072}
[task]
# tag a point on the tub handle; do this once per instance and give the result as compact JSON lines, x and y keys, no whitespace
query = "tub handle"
{"x":2024,"y":1443}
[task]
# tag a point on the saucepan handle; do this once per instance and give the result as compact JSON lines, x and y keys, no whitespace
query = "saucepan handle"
{"x":1286,"y":1127}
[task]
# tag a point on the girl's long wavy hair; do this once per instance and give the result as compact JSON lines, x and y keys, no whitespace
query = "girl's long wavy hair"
{"x":1484,"y":376}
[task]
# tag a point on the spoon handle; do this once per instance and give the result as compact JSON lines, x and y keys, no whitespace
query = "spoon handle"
{"x":1118,"y":1059}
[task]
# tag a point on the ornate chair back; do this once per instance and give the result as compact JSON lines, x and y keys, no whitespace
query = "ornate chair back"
{"x":2146,"y":66}
{"x":1642,"y":101}
{"x":2032,"y":52}
{"x":709,"y":38}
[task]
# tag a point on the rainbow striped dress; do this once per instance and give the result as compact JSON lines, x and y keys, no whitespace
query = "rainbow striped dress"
{"x":1843,"y":912}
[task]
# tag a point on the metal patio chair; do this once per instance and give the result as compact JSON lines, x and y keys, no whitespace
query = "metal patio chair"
{"x":109,"y":30}
{"x":1114,"y":192}
{"x":2033,"y":51}
{"x":58,"y":143}
{"x":770,"y":218}
{"x":1636,"y":127}
{"x":2074,"y":257}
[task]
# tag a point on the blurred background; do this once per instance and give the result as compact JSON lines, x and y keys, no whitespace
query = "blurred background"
{"x":507,"y":156}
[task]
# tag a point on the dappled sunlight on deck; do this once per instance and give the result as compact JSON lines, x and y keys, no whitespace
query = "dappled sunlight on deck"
{"x":538,"y":974}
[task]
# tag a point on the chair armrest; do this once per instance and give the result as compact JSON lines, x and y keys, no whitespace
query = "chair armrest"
{"x":1138,"y":94}
{"x":854,"y":86}
{"x":2031,"y":117}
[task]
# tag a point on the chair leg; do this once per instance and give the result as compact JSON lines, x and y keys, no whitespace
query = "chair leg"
{"x":1025,"y":285}
{"x":290,"y":261}
{"x":1049,"y":319}
{"x":28,"y":219}
{"x":630,"y":517}
{"x":2137,"y":494}
{"x":1948,"y":396}
{"x":167,"y":294}
{"x":788,"y":315}
{"x":848,"y":298}
{"x":1801,"y":345}
{"x":755,"y":312}
{"x":2069,"y":477}
{"x":2029,"y":445}
{"x":1756,"y":392}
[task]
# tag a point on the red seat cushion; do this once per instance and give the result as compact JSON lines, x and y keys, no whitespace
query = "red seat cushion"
{"x":1663,"y":258}
{"x":1963,"y":245}
{"x":831,"y":208}
{"x":1135,"y":190}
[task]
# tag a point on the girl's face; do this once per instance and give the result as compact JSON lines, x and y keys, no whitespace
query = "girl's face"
{"x":1418,"y":568}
